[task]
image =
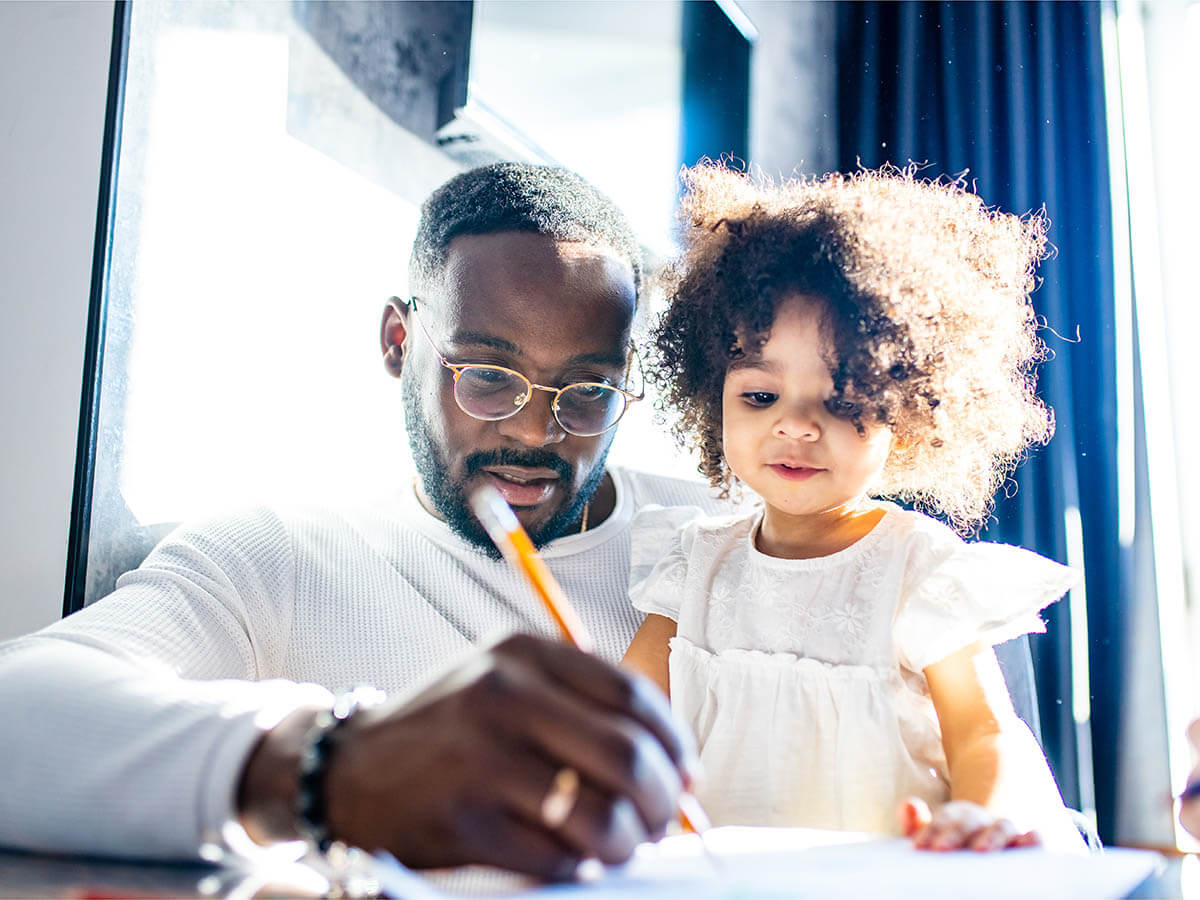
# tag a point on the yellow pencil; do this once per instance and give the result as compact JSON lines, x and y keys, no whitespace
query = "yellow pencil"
{"x":505,"y":530}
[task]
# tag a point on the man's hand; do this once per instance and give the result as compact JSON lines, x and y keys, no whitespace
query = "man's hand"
{"x":1189,"y":811}
{"x":960,"y":825}
{"x":461,"y":773}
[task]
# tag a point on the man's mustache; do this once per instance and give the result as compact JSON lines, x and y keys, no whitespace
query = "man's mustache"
{"x":534,"y":459}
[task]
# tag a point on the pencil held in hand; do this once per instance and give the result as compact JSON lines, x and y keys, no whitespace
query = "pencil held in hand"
{"x":692,"y":816}
{"x":505,"y":530}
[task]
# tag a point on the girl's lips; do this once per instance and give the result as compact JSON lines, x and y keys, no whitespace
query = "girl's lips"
{"x":515,"y":493}
{"x":794,"y":473}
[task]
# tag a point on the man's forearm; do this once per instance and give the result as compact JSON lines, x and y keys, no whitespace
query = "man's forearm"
{"x":143,"y":747}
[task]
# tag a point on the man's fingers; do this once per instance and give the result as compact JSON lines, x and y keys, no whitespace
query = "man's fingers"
{"x":614,"y":689}
{"x":463,"y":772}
{"x":509,"y":842}
{"x":594,"y":822}
{"x":613,"y":753}
{"x":605,"y":826}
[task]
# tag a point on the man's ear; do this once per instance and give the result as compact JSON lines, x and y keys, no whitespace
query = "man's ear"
{"x":393,"y":334}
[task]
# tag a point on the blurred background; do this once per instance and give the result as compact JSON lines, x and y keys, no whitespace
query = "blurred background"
{"x":260,"y":168}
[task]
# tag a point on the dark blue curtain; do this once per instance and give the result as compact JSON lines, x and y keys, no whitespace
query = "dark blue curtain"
{"x":716,"y":85}
{"x":1013,"y":95}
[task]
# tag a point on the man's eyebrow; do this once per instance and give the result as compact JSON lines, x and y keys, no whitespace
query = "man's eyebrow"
{"x":464,"y":340}
{"x":479,"y":339}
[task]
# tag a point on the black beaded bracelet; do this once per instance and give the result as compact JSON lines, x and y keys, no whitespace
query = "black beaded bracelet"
{"x":311,"y":811}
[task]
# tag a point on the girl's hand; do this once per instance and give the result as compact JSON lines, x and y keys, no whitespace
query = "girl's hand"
{"x":960,"y":825}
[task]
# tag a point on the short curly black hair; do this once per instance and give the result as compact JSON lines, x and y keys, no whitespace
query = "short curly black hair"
{"x":926,"y":303}
{"x":512,"y":196}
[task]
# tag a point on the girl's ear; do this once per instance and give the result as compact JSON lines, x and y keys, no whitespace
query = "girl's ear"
{"x":393,"y":334}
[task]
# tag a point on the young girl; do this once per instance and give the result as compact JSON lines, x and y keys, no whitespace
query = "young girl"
{"x":828,"y":343}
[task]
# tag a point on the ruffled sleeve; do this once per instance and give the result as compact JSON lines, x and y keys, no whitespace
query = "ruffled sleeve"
{"x":659,"y":558}
{"x":979,"y":592}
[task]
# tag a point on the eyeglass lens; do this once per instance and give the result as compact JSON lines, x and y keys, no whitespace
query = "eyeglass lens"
{"x":493,"y":393}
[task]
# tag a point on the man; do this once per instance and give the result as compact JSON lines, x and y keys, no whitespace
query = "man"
{"x":150,"y":722}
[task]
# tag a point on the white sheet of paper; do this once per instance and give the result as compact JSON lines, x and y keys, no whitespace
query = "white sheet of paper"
{"x":799,"y":862}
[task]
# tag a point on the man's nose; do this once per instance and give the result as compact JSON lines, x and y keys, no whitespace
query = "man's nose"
{"x":534,"y":424}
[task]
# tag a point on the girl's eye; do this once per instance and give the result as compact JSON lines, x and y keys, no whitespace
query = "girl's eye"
{"x":759,"y":398}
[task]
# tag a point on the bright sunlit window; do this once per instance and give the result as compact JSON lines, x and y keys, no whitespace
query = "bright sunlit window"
{"x":1154,"y":58}
{"x":265,"y":210}
{"x":595,"y":84}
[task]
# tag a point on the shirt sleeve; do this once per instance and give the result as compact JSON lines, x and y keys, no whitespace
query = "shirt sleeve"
{"x":659,"y":558}
{"x":158,"y":687}
{"x":981,"y":592}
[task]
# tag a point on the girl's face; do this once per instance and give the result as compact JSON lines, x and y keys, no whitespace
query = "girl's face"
{"x":778,"y":436}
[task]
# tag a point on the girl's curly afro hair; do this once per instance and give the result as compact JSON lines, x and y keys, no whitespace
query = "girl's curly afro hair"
{"x":927,"y":299}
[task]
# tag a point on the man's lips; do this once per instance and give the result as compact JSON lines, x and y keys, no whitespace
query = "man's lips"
{"x":522,"y":486}
{"x":522,"y":473}
{"x":794,"y":471}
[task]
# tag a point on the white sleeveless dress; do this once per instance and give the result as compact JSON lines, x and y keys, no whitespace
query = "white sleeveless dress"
{"x":802,"y":679}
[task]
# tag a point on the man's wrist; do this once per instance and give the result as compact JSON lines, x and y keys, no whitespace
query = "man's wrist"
{"x":267,"y":791}
{"x":310,"y":804}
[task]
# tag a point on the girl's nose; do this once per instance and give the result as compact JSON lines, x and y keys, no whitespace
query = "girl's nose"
{"x":798,"y":424}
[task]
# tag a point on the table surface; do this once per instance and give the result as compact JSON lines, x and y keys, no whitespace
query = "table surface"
{"x":34,"y":875}
{"x":29,"y":875}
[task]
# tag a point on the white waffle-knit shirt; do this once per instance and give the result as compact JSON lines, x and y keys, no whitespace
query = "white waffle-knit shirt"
{"x":127,"y":724}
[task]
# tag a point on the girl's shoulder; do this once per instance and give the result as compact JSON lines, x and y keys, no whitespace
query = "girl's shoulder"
{"x":934,"y":552}
{"x":687,"y":523}
{"x":911,"y":528}
{"x":668,"y":544}
{"x":937,"y":560}
{"x":683,"y":535}
{"x":956,"y":592}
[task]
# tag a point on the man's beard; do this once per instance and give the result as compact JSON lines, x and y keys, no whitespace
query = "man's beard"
{"x":449,"y":497}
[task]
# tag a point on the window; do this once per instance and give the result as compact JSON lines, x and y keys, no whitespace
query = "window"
{"x":273,"y":157}
{"x":1152,"y":52}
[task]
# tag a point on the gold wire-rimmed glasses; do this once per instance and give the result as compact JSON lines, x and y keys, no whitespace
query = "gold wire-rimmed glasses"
{"x":491,"y":393}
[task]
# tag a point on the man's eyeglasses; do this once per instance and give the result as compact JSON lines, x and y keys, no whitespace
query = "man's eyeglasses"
{"x":491,"y":393}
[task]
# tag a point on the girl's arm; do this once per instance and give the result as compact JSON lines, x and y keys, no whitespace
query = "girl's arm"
{"x":993,"y":759}
{"x":648,"y":651}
